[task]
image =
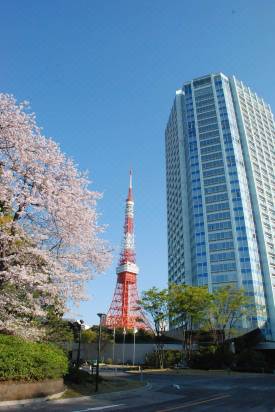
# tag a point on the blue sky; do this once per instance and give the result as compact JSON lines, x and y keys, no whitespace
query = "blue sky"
{"x":101,"y":77}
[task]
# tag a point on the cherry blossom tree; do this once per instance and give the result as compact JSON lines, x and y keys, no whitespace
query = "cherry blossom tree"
{"x":50,"y":239}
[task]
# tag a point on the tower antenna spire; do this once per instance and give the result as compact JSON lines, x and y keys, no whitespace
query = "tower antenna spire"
{"x":130,"y":178}
{"x":130,"y":191}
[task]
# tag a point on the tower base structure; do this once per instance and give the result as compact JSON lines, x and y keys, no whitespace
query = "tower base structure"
{"x":125,"y":311}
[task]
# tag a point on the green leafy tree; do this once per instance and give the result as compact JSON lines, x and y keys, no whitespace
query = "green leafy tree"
{"x":155,"y":302}
{"x":188,"y":308}
{"x":89,"y":336}
{"x":106,"y":335}
{"x":57,"y":330}
{"x":228,"y":306}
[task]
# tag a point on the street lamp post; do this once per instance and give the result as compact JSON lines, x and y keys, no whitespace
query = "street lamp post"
{"x":183,"y":357}
{"x":134,"y":348}
{"x":114,"y":343}
{"x":123,"y":347}
{"x":101,"y":317}
{"x":79,"y":324}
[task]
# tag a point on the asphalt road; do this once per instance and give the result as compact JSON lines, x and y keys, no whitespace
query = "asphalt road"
{"x":169,"y":393}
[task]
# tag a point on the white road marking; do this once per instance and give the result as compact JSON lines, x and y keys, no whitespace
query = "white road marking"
{"x":99,"y":408}
{"x":194,"y":403}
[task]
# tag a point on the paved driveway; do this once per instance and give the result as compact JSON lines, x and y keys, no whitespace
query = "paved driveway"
{"x":170,"y":392}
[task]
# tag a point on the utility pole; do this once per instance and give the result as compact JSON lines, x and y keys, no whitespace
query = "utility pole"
{"x":123,"y":347}
{"x":134,"y":348}
{"x":101,"y":317}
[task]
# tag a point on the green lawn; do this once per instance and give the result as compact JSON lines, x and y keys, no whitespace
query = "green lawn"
{"x":106,"y":385}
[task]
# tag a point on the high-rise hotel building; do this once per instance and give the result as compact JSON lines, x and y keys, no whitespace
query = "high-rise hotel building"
{"x":220,"y":173}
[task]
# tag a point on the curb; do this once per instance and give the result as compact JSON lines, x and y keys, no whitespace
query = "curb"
{"x":201,"y":372}
{"x":34,"y":400}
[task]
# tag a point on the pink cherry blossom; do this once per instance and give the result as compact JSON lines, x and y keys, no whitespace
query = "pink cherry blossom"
{"x":50,"y":239}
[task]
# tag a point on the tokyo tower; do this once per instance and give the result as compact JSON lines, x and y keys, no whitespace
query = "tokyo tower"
{"x":125,"y":312}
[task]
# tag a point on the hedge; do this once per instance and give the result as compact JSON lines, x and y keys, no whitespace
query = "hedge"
{"x":21,"y":360}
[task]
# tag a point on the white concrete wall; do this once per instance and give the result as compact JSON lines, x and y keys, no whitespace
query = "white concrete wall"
{"x":88,"y":351}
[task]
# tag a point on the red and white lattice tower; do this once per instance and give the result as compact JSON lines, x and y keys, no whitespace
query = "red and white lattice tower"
{"x":125,"y":312}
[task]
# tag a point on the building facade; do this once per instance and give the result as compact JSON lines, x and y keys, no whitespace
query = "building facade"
{"x":220,"y":176}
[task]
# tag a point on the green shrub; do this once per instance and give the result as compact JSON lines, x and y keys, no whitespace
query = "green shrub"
{"x":250,"y":360}
{"x":30,"y":361}
{"x":151,"y":359}
{"x":203,"y":359}
{"x":212,"y":357}
{"x":171,"y":358}
{"x":224,"y":357}
{"x":78,"y":376}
